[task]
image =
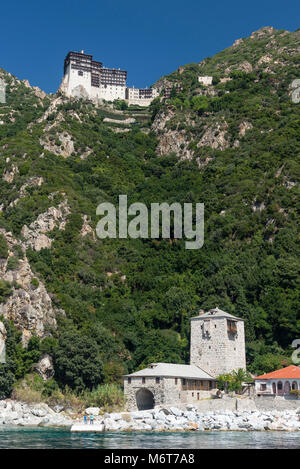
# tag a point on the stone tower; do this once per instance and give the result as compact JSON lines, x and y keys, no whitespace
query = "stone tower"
{"x":217,"y":342}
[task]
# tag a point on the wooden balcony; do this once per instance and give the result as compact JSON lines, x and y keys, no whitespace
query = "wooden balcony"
{"x":231,"y":327}
{"x":196,"y":385}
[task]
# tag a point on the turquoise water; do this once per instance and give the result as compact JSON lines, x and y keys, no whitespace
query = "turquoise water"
{"x":45,"y":438}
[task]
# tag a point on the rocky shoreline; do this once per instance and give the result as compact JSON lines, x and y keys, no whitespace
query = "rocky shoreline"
{"x":22,"y":414}
{"x":174,"y":419}
{"x":14,"y":413}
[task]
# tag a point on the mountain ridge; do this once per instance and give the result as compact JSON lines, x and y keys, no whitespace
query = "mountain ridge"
{"x":233,"y":145}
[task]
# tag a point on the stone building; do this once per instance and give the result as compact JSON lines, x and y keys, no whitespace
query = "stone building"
{"x":217,"y":342}
{"x":166,"y":384}
{"x":217,"y":347}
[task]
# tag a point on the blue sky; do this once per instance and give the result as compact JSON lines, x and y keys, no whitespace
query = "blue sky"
{"x":147,"y":39}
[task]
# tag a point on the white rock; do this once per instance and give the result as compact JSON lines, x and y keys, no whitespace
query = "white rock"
{"x":92,"y":411}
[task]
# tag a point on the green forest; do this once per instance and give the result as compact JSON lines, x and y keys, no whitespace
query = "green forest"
{"x":128,"y":302}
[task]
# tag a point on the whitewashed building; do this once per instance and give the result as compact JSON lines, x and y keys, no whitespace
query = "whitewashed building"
{"x":280,"y":382}
{"x":141,"y":96}
{"x":88,"y":79}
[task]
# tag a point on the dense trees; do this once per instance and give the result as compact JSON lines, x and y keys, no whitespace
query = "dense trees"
{"x":77,"y":363}
{"x":129,"y":301}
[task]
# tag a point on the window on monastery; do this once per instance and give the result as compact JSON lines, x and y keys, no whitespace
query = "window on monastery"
{"x":129,"y":380}
{"x":143,"y":380}
{"x":183,"y":382}
{"x":231,"y":326}
{"x":176,"y":380}
{"x":157,"y":380}
{"x":80,"y":73}
{"x":263,"y":387}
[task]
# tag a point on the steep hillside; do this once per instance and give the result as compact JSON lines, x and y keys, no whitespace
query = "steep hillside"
{"x":233,"y":145}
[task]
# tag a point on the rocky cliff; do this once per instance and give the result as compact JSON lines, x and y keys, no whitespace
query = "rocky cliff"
{"x":226,"y":134}
{"x":192,"y":117}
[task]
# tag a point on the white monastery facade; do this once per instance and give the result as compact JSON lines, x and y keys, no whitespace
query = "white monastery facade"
{"x":88,"y":79}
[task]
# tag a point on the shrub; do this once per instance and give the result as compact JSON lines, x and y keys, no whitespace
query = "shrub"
{"x":108,"y":396}
{"x":12,"y":263}
{"x":3,"y":247}
{"x":34,"y":283}
{"x":27,"y":394}
{"x":5,"y":290}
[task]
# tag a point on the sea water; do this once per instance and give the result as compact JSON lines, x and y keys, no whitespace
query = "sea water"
{"x":52,"y":438}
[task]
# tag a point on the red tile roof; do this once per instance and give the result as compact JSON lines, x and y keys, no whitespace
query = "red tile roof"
{"x":289,"y":372}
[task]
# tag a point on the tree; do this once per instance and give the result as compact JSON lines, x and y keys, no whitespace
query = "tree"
{"x":233,"y":381}
{"x":7,"y":380}
{"x":77,"y":362}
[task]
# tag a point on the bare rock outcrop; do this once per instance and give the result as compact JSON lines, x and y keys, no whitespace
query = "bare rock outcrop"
{"x":32,"y":182}
{"x":29,"y":305}
{"x":35,"y":235}
{"x":215,"y":136}
{"x":243,"y":127}
{"x":86,"y":227}
{"x":63,"y":145}
{"x":45,"y":367}
{"x":9,"y":175}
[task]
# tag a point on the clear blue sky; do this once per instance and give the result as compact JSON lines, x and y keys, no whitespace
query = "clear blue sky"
{"x":148,"y":39}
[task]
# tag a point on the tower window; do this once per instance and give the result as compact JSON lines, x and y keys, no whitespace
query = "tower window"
{"x":80,"y":73}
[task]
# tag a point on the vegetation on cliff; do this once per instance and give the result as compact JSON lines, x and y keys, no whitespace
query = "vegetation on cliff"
{"x":127,"y":303}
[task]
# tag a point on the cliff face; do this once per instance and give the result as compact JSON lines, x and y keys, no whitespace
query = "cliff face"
{"x":28,"y":305}
{"x":193,"y":117}
{"x":229,"y":140}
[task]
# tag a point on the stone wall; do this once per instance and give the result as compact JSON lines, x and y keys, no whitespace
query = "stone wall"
{"x":240,"y":404}
{"x":168,"y":392}
{"x":131,"y":389}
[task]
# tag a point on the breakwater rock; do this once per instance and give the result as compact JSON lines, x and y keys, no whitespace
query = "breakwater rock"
{"x":19,"y":413}
{"x":174,"y":419}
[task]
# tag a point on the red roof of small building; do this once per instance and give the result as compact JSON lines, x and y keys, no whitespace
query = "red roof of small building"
{"x":289,"y":372}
